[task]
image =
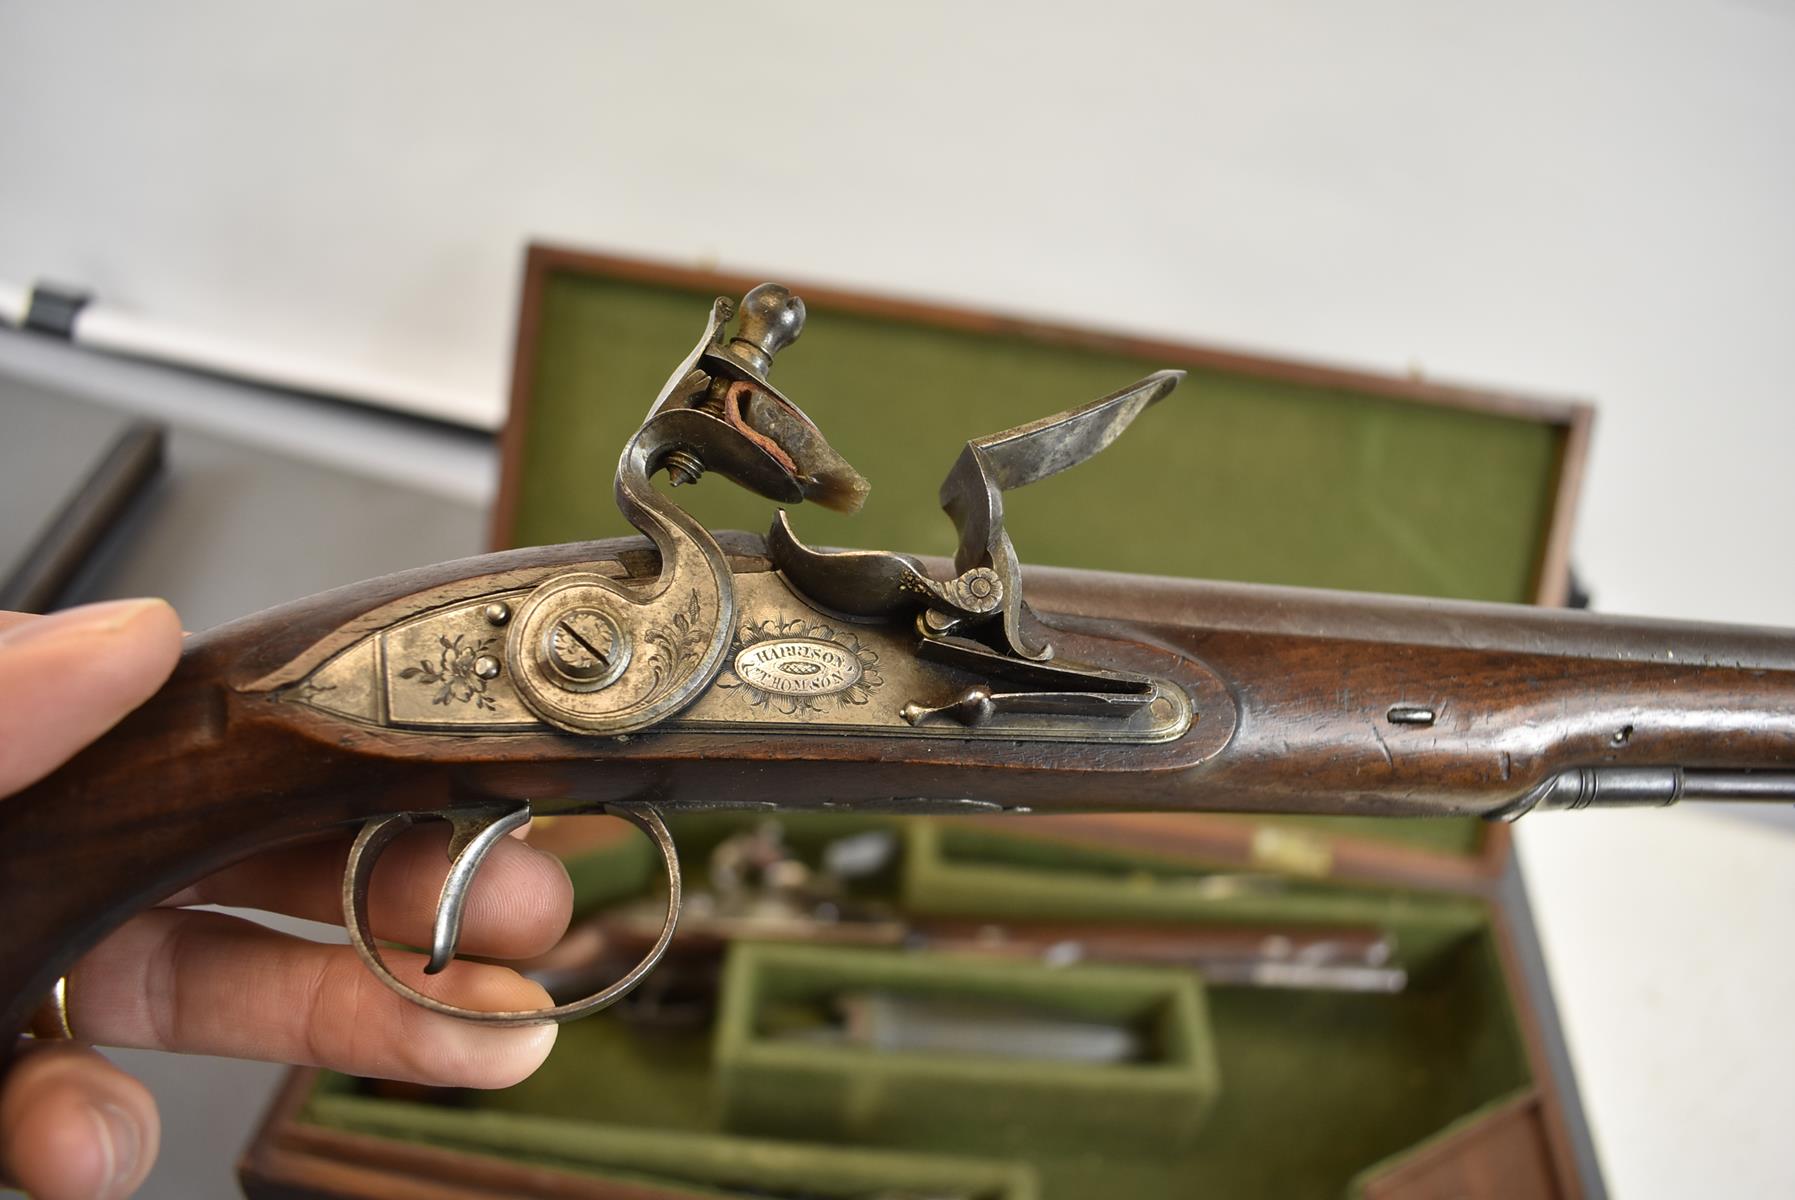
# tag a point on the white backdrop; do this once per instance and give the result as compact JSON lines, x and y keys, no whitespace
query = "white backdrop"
{"x":1585,"y":198}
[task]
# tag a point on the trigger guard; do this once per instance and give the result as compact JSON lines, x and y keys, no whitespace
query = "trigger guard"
{"x":379,"y":832}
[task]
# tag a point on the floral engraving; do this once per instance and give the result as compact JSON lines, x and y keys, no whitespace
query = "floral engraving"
{"x":453,"y":674}
{"x":802,"y":669}
{"x":677,"y":646}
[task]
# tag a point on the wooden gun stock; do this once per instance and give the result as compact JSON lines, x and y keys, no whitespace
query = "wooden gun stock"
{"x":1305,"y":701}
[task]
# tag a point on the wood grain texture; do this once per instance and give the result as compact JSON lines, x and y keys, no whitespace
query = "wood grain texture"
{"x":1293,"y":688}
{"x":1503,"y":1155}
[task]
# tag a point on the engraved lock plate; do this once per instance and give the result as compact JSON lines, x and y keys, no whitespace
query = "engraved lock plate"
{"x":789,"y":664}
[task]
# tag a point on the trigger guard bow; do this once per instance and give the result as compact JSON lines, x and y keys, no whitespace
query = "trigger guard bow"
{"x":378,"y":833}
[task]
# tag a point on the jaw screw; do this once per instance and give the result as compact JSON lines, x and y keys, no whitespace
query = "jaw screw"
{"x":683,"y":467}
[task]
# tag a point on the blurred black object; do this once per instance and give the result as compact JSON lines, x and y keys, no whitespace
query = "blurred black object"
{"x":52,"y":309}
{"x":1579,"y":595}
{"x":68,"y":541}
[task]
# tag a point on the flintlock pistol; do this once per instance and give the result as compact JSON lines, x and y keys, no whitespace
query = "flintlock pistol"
{"x":687,"y":670}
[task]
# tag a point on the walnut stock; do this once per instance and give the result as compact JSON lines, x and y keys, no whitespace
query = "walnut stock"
{"x":1304,"y":701}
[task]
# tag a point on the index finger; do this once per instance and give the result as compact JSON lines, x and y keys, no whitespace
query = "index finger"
{"x":518,"y":906}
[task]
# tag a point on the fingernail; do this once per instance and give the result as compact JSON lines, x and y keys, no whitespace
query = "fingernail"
{"x":470,"y":1055}
{"x":89,"y":620}
{"x":122,"y":1145}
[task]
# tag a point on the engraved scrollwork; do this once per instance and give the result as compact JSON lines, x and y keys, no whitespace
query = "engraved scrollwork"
{"x":677,"y":645}
{"x":306,"y":691}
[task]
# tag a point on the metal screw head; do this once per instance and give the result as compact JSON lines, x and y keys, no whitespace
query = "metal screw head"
{"x":486,"y":667}
{"x":586,"y":649}
{"x":497,"y":613}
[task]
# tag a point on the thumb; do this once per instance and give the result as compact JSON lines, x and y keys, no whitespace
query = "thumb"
{"x":75,"y":1127}
{"x":67,"y":678}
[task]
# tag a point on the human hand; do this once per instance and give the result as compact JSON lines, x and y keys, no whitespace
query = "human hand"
{"x":74,"y":1126}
